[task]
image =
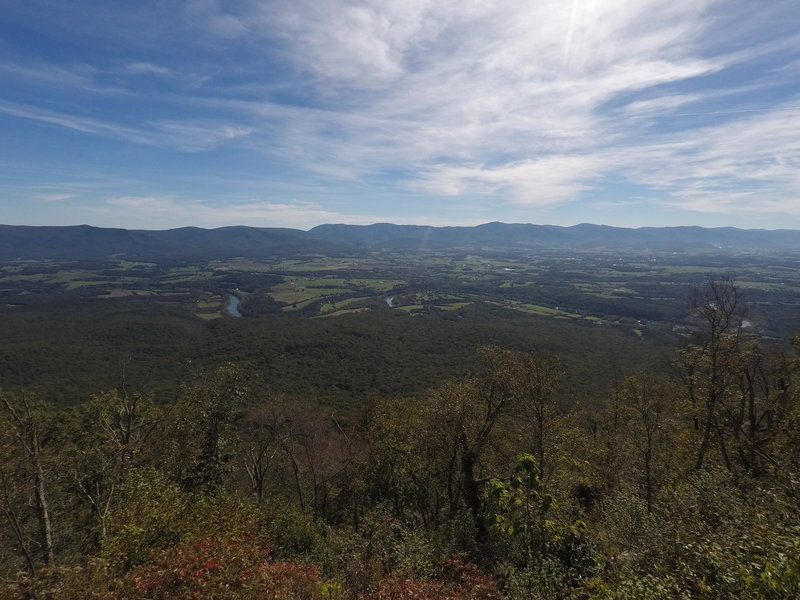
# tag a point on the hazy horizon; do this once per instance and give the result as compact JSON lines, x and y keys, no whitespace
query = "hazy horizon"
{"x":306,"y":229}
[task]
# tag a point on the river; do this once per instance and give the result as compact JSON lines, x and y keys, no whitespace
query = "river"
{"x":233,"y":306}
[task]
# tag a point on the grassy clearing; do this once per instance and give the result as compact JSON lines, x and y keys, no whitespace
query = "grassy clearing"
{"x":71,"y":285}
{"x":290,"y":295}
{"x":209,"y":304}
{"x":453,"y":306}
{"x":545,"y":311}
{"x":239,"y":264}
{"x":116,"y":293}
{"x":208,"y":316}
{"x":604,"y":290}
{"x":511,"y":284}
{"x":188,"y":278}
{"x":689,"y":269}
{"x":376,"y":285}
{"x":337,"y":284}
{"x":42,"y":278}
{"x":124,"y":292}
{"x":211,"y":308}
{"x":127,"y":264}
{"x":330,"y":307}
{"x":434,"y":297}
{"x":535,"y":309}
{"x":409,"y":307}
{"x":298,"y":305}
{"x":346,"y":311}
{"x":764,"y":286}
{"x":330,"y":264}
{"x":325,"y":282}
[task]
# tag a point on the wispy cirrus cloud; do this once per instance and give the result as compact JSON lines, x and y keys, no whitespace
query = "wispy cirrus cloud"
{"x":531,"y":105}
{"x":504,"y":98}
{"x":748,"y":165}
{"x":189,"y":136}
{"x":175,"y":212}
{"x":543,"y":182}
{"x":145,"y":68}
{"x":54,"y":197}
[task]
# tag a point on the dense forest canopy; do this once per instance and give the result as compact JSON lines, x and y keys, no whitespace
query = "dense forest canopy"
{"x":471,"y":421}
{"x":490,"y":483}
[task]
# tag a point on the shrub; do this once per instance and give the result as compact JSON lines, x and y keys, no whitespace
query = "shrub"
{"x":457,"y":581}
{"x":224,"y":568}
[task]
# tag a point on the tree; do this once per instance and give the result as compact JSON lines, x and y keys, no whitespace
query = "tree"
{"x":534,"y":379}
{"x":22,"y":468}
{"x":709,"y":366}
{"x":738,"y":394}
{"x":651,"y":427}
{"x":205,"y":418}
{"x":519,"y":507}
{"x":518,"y":388}
{"x":112,"y":435}
{"x":294,"y":436}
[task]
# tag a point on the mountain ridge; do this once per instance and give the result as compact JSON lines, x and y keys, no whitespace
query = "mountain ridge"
{"x":88,"y":242}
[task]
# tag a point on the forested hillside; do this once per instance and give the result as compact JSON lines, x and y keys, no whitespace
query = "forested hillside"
{"x":83,"y":242}
{"x":491,"y":484}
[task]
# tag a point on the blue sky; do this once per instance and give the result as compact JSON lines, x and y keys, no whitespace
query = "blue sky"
{"x":292,"y":113}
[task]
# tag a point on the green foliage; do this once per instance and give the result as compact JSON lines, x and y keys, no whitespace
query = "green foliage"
{"x":89,"y":580}
{"x":382,"y":545}
{"x":147,"y":514}
{"x":541,"y":558}
{"x":206,"y":414}
{"x":456,"y":580}
{"x":547,"y":580}
{"x":249,"y":485}
{"x":519,"y":506}
{"x":638,"y":587}
{"x":27,"y":462}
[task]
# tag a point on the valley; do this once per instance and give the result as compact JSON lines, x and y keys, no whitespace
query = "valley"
{"x":342,"y":327}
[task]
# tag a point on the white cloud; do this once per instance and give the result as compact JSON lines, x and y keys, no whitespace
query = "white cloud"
{"x":438,"y":87}
{"x":145,"y":68}
{"x":746,"y":166}
{"x":54,"y":197}
{"x":170,"y":211}
{"x":210,"y":17}
{"x":180,"y":211}
{"x":660,"y":104}
{"x":531,"y":103}
{"x":149,"y":203}
{"x":358,"y":43}
{"x":189,"y":136}
{"x":543,"y":182}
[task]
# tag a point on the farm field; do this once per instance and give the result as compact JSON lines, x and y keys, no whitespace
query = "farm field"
{"x":70,"y":325}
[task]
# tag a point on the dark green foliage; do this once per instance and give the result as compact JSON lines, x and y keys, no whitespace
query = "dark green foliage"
{"x":365,"y":455}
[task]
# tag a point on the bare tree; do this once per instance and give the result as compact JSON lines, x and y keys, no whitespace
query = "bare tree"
{"x":737,"y":392}
{"x":296,"y":436}
{"x":22,"y":425}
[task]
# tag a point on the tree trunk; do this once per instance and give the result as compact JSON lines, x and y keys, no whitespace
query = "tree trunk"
{"x":43,"y":512}
{"x":472,"y":497}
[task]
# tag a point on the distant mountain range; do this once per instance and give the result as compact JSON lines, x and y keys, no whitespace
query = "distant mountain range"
{"x":86,"y":242}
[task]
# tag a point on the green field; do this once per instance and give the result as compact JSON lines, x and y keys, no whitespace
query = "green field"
{"x":567,"y":294}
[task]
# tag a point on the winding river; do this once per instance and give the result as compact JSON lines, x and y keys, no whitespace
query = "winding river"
{"x":233,"y":306}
